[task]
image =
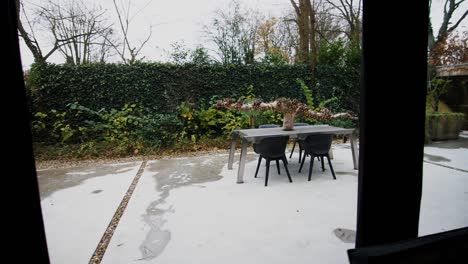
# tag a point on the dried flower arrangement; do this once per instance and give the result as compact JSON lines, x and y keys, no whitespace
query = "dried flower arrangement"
{"x":289,"y":107}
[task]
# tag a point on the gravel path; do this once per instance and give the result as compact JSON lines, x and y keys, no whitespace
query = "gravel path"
{"x":105,"y":240}
{"x":52,"y":164}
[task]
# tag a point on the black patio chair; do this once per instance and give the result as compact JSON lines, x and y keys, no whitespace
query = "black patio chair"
{"x":296,"y":140}
{"x":271,"y":126}
{"x":317,"y":145}
{"x":272,"y":148}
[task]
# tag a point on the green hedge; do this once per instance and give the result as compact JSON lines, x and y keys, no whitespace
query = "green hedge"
{"x":162,"y":87}
{"x":340,"y":82}
{"x":159,"y":87}
{"x":443,"y":125}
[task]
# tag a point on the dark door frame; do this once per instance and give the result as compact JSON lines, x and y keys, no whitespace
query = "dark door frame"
{"x":392,"y":115}
{"x":21,"y":190}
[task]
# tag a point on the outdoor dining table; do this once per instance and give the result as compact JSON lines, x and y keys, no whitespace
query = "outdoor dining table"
{"x":256,"y":134}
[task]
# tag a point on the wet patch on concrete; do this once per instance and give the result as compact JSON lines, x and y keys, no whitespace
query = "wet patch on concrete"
{"x":157,"y":239}
{"x":461,"y":142}
{"x":345,"y":235}
{"x":169,"y":175}
{"x":435,"y":158}
{"x":54,"y":180}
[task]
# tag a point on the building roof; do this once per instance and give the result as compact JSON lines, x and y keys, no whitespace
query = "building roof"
{"x":452,"y":70}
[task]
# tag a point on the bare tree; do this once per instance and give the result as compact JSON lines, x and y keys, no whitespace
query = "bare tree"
{"x":234,"y":34}
{"x":29,"y":37}
{"x":288,"y":29}
{"x":84,"y":27}
{"x":224,"y":32}
{"x":128,"y":52}
{"x":105,"y":49}
{"x":76,"y":30}
{"x":350,"y":11}
{"x":327,"y":25}
{"x":249,"y":33}
{"x":181,"y":54}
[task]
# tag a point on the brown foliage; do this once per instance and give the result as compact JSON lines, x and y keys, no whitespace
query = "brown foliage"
{"x":452,"y":49}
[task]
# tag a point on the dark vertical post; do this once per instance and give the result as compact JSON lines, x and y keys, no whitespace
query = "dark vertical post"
{"x":391,"y":120}
{"x":28,"y":230}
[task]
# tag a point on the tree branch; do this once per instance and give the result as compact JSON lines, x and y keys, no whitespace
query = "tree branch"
{"x":458,"y":22}
{"x":144,"y":42}
{"x":298,"y":11}
{"x":31,"y":43}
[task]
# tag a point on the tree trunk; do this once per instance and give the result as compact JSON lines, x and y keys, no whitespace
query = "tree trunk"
{"x":37,"y":54}
{"x":302,"y":20}
{"x":312,"y":40}
{"x":304,"y":31}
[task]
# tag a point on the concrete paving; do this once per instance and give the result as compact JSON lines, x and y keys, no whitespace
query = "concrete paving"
{"x":451,"y":153}
{"x":190,"y":210}
{"x":185,"y":214}
{"x":78,"y":205}
{"x":445,"y":186}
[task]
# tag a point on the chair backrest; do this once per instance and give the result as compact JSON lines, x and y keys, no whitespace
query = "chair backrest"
{"x":271,"y":146}
{"x":301,"y":124}
{"x":318,"y":143}
{"x":268,"y":126}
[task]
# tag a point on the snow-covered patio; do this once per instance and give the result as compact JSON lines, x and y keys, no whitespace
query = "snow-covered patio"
{"x":190,"y":210}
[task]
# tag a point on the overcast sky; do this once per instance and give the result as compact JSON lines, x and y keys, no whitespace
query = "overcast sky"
{"x":183,"y":20}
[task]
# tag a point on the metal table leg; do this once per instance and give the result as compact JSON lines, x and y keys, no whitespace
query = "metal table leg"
{"x":243,"y":157}
{"x":232,"y":149}
{"x":352,"y":141}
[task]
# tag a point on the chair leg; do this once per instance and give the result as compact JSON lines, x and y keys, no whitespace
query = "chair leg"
{"x":277,"y":166}
{"x":286,"y":168}
{"x":267,"y":171}
{"x":258,"y":166}
{"x":311,"y":165}
{"x":292,"y":151}
{"x":331,"y":167}
{"x":286,"y":159}
{"x":302,"y":163}
{"x":323,"y":167}
{"x":300,"y":153}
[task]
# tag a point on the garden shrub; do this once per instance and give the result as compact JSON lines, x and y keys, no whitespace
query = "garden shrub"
{"x":126,"y":126}
{"x":159,"y":87}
